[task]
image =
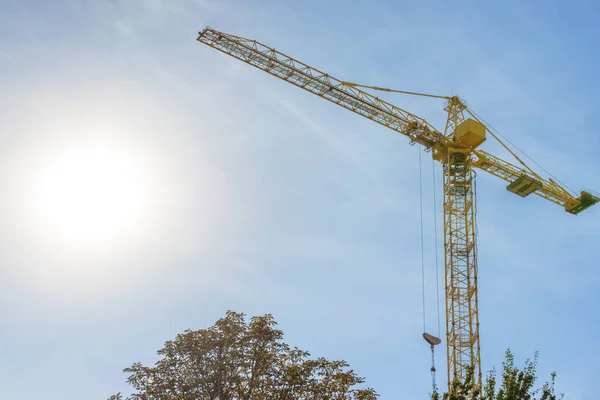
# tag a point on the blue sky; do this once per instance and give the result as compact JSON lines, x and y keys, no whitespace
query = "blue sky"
{"x":270,"y":200}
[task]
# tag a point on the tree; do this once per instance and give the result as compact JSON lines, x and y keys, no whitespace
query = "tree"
{"x":516,"y":384}
{"x":237,"y":360}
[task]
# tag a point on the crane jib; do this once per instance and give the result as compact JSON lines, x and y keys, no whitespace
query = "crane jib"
{"x":394,"y":118}
{"x":344,"y":94}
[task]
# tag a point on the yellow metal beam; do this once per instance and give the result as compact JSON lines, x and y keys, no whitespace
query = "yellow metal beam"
{"x":318,"y":82}
{"x":460,"y":266}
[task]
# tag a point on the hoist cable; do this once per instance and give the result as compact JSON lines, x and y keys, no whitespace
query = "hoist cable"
{"x":433,"y":368}
{"x":422,"y":238}
{"x":436,"y":251}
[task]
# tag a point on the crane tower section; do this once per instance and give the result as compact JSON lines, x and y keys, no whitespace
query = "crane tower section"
{"x":460,"y":247}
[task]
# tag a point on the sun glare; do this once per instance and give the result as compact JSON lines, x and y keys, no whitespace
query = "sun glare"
{"x":92,"y":193}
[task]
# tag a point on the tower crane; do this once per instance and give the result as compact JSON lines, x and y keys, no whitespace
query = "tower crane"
{"x":457,"y":149}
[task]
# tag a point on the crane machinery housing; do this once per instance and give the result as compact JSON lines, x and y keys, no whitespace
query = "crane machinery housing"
{"x":457,"y":149}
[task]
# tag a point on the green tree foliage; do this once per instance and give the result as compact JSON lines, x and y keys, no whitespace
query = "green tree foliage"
{"x":516,"y":384}
{"x":239,"y":360}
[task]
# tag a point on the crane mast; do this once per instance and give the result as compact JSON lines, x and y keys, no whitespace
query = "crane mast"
{"x":460,"y":254}
{"x":456,"y":149}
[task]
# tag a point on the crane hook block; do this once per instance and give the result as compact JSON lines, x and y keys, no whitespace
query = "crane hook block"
{"x":432,"y":340}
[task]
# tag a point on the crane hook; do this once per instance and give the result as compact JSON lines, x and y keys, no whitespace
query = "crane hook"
{"x":433,"y":341}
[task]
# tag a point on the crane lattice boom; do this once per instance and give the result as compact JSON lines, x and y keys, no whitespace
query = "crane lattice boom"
{"x":323,"y":85}
{"x":456,"y":149}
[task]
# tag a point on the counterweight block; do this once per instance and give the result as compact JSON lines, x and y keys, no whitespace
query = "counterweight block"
{"x":470,"y":133}
{"x":524,"y":186}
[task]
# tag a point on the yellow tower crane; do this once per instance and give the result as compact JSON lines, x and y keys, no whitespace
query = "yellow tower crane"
{"x":457,"y":149}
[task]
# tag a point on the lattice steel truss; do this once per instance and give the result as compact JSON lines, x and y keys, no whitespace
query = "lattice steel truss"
{"x":462,"y":317}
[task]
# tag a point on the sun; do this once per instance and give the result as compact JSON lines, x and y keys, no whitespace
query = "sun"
{"x":94,"y":193}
